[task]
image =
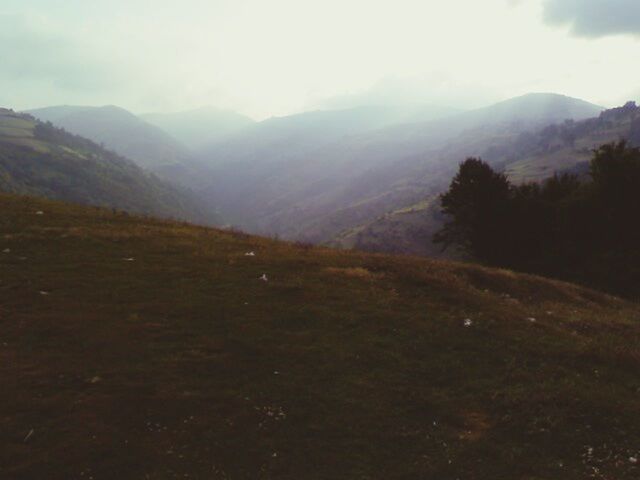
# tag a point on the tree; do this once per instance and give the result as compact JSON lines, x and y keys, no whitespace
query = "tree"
{"x":477,"y":206}
{"x":575,"y":229}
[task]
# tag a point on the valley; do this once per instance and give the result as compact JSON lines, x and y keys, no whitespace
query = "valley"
{"x":355,"y":178}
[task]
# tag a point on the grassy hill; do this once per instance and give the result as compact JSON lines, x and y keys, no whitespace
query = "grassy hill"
{"x":134,"y":348}
{"x":38,"y":159}
{"x":405,"y":230}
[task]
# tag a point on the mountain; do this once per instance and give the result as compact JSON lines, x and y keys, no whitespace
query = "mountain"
{"x":315,"y":186}
{"x":120,"y":131}
{"x":39,"y":159}
{"x":569,"y":145}
{"x":135,"y":348}
{"x":283,"y":138}
{"x":529,"y":156}
{"x":199,"y":128}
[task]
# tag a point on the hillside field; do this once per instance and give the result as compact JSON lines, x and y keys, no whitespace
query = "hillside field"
{"x":133,"y":348}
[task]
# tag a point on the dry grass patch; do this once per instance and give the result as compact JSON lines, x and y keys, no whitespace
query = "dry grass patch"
{"x":355,"y":272}
{"x":476,"y":425}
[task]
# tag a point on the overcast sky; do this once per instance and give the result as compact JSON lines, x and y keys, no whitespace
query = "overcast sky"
{"x":273,"y":57}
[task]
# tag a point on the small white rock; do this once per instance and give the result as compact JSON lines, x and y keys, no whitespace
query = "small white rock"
{"x":468,"y":322}
{"x":250,"y":254}
{"x":633,"y":460}
{"x":264,"y":277}
{"x":39,"y":212}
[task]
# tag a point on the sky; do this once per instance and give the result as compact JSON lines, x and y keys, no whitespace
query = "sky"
{"x":269,"y":58}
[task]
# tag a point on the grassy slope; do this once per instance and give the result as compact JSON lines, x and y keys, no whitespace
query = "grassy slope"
{"x":541,"y":166}
{"x":182,"y":364}
{"x":405,"y":231}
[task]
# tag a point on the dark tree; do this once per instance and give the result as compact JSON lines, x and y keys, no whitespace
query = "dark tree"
{"x":476,"y":203}
{"x":584,"y":231}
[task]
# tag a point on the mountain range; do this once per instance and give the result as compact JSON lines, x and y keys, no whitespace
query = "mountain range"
{"x":364,"y":177}
{"x":316,"y":190}
{"x":531,"y":156}
{"x":200,"y":128}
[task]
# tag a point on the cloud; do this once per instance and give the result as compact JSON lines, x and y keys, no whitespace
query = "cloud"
{"x":595,"y":18}
{"x":30,"y":52}
{"x":435,"y":89}
{"x":282,"y":56}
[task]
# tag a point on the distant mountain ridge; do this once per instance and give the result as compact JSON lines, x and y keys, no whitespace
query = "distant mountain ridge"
{"x":325,"y":176}
{"x":286,"y":137}
{"x":197,"y":129}
{"x":313,"y":193}
{"x":39,"y":159}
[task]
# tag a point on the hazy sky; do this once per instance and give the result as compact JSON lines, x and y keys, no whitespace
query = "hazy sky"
{"x":272,"y":57}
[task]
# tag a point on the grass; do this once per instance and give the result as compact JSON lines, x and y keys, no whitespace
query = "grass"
{"x":132,"y":348}
{"x":19,"y":131}
{"x":543,"y":165}
{"x":12,"y":125}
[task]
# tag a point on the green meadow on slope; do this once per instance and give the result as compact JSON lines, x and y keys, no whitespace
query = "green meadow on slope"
{"x":143,"y":349}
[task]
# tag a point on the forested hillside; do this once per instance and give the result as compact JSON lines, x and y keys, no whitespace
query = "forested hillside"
{"x":124,"y":133}
{"x":39,"y":159}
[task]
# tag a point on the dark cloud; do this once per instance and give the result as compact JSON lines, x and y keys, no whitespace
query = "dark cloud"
{"x":595,"y":18}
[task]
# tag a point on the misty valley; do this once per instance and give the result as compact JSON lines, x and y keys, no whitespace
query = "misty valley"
{"x":298,"y":240}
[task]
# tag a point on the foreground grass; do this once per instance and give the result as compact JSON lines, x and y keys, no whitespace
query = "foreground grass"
{"x":139,"y":349}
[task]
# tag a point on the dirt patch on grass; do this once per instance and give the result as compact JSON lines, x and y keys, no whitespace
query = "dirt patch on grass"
{"x":476,"y":424}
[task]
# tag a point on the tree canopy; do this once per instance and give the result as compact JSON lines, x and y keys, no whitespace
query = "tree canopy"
{"x":584,"y":230}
